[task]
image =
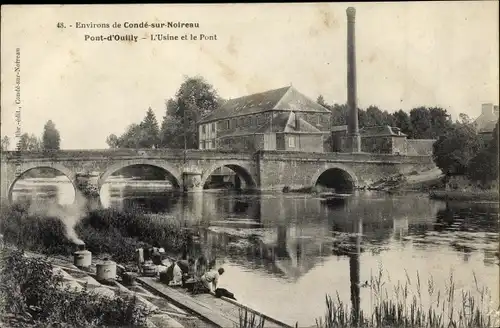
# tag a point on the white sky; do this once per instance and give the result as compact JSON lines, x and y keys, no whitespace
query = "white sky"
{"x":408,"y":54}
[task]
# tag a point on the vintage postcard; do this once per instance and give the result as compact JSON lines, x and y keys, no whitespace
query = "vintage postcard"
{"x":250,"y":165}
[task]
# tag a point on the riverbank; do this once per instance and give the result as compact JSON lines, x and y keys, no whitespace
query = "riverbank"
{"x":122,"y":225}
{"x":34,"y":296}
{"x":470,"y":196}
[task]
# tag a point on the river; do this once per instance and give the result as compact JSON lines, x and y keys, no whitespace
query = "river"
{"x":282,"y":253}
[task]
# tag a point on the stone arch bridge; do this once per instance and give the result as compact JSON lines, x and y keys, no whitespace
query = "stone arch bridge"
{"x":189,"y":170}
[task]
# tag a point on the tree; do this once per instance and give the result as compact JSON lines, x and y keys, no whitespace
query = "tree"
{"x":194,"y":99}
{"x":131,"y":138}
{"x":484,"y":166}
{"x":440,"y":122}
{"x":402,"y":120}
{"x":150,"y":131}
{"x":373,"y":116}
{"x":113,"y":141}
{"x":339,"y":114}
{"x":51,"y":138}
{"x":29,"y":142}
{"x":321,"y":100}
{"x":170,"y":135}
{"x":5,"y":143}
{"x":453,"y":151}
{"x":421,"y":123}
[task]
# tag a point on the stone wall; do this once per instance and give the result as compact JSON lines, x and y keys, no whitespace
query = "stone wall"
{"x":297,"y":170}
{"x":242,"y":123}
{"x":421,"y":147}
{"x":384,"y":144}
{"x":247,"y":143}
{"x":301,"y":142}
{"x":264,"y":169}
{"x":399,"y":145}
{"x":377,"y":145}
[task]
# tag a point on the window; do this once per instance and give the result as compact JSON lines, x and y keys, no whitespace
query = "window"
{"x":213,"y":127}
{"x":202,"y":144}
{"x":203,"y":128}
{"x":227,"y":124}
{"x":291,"y":141}
{"x":209,"y":144}
{"x":213,"y":144}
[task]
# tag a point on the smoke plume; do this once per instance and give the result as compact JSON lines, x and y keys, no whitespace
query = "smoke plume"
{"x":69,"y":215}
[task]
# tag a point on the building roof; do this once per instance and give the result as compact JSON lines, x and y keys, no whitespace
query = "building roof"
{"x":381,"y":131}
{"x":486,"y":122}
{"x":282,"y":99}
{"x":281,"y":122}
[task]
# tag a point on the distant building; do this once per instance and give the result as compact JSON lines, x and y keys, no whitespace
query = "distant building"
{"x":485,"y":123}
{"x":280,"y":119}
{"x":285,"y":119}
{"x":381,"y":139}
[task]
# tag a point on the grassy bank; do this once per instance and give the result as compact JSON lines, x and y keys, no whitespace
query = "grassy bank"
{"x":105,"y":232}
{"x":32,"y":296}
{"x":486,"y":195}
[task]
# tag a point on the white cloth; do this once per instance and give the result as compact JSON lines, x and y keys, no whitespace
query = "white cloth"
{"x":210,"y":279}
{"x":177,"y":280}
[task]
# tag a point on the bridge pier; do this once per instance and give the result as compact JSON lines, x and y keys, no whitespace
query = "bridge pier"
{"x":191,"y":182}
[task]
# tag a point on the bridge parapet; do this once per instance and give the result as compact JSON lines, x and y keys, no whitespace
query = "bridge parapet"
{"x":124,"y":153}
{"x":348,"y":157}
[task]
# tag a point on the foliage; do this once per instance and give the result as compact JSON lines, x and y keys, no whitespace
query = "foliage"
{"x":5,"y":143}
{"x":131,"y":226}
{"x":113,"y":141}
{"x":51,"y":139}
{"x":421,"y":123}
{"x":46,"y":235}
{"x":172,"y":134}
{"x":453,"y":151}
{"x":29,"y":289}
{"x":402,"y":120}
{"x":150,"y":126}
{"x":484,"y":166}
{"x":194,"y":99}
{"x":404,"y":306}
{"x":106,"y":231}
{"x":29,"y":142}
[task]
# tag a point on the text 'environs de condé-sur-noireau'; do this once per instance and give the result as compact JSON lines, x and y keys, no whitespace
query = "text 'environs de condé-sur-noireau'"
{"x":141,"y":25}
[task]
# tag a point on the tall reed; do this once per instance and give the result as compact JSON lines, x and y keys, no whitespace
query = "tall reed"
{"x":409,"y":305}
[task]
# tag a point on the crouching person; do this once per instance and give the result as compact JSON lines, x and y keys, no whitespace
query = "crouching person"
{"x":211,"y":278}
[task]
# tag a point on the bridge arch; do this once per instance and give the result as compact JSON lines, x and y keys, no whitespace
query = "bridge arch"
{"x":240,"y":169}
{"x":171,"y":170}
{"x":336,"y":176}
{"x":69,"y":173}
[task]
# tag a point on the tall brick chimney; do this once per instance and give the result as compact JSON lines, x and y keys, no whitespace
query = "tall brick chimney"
{"x":354,"y":144}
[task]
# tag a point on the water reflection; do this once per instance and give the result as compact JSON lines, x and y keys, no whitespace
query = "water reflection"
{"x":293,"y":247}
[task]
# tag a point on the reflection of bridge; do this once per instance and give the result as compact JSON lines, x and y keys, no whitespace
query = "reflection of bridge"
{"x":265,"y":170}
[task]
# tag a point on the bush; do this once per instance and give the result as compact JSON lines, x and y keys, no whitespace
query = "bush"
{"x":30,"y":290}
{"x":47,"y":235}
{"x":106,"y":231}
